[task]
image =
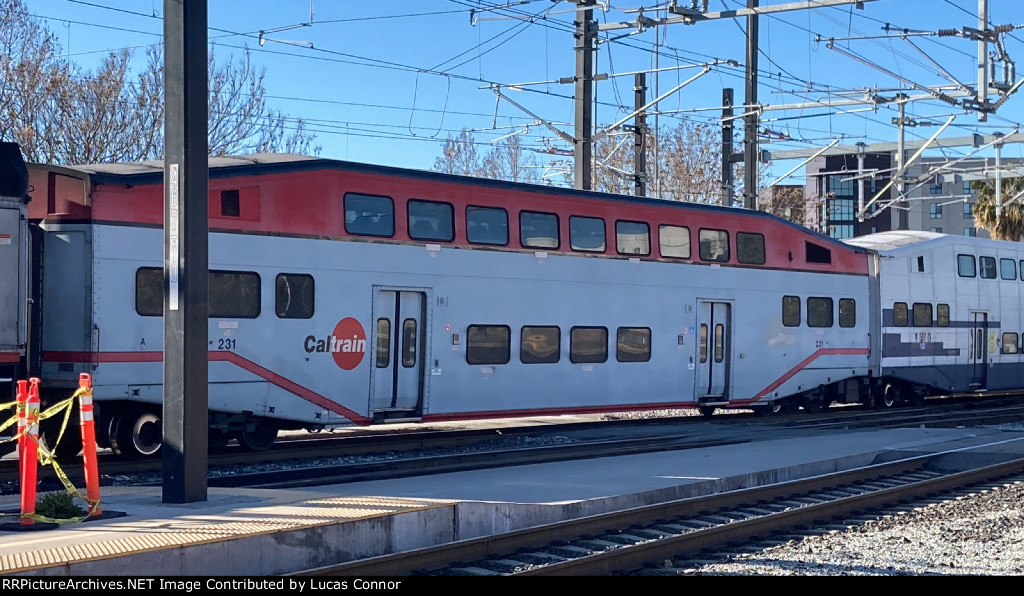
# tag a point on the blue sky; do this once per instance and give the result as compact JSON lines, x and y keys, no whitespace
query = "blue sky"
{"x":385,"y":83}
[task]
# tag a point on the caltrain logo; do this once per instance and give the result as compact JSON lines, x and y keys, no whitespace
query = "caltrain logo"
{"x":347,"y":344}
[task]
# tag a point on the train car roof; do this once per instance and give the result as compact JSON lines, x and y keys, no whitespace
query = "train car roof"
{"x":151,"y":172}
{"x":904,"y":240}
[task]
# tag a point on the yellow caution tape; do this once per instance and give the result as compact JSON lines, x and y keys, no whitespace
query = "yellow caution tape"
{"x":46,"y":456}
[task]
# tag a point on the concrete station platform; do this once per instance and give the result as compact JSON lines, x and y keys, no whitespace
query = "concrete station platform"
{"x":238,"y":532}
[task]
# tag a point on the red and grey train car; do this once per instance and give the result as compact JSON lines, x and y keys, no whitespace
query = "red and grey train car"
{"x":351,"y":294}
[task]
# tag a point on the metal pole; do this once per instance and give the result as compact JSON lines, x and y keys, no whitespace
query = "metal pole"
{"x":900,"y":140}
{"x":186,"y":252}
{"x":861,"y":148}
{"x":982,"y":58}
{"x":999,"y":181}
{"x":751,"y":120}
{"x":727,"y":133}
{"x":639,"y":136}
{"x":583,"y":150}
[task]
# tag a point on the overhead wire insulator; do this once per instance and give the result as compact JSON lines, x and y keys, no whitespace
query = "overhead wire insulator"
{"x":1002,"y":29}
{"x":948,"y":32}
{"x":947,"y":99}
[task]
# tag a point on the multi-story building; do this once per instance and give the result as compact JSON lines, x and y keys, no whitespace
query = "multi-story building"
{"x":933,"y":202}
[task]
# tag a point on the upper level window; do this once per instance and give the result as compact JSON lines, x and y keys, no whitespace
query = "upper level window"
{"x":632,"y":238}
{"x":368,"y":215}
{"x":988,"y":267}
{"x":486,"y":225}
{"x":965,"y":266}
{"x":750,"y":248}
{"x":847,"y":312}
{"x":714,"y":245}
{"x":1007,"y":269}
{"x":538,"y":230}
{"x":900,"y":317}
{"x":586,"y":234}
{"x":922,"y":314}
{"x":539,"y":345}
{"x":674,"y":241}
{"x":431,"y":221}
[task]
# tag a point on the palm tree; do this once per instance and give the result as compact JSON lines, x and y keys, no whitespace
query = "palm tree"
{"x":1010,"y":225}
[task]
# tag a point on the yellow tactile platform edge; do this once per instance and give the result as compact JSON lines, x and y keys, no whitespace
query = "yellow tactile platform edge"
{"x":266,"y":511}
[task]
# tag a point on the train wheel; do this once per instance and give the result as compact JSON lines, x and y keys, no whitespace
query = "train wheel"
{"x":890,"y":397}
{"x":776,"y":407}
{"x":706,"y":411}
{"x":137,"y":433}
{"x":260,"y":438}
{"x":217,"y":440}
{"x":812,"y":405}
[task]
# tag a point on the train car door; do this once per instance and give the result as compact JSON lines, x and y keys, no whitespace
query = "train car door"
{"x":713,"y":347}
{"x":978,"y":346}
{"x":399,"y":338}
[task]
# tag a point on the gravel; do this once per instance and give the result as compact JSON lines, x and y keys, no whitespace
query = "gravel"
{"x":978,"y":534}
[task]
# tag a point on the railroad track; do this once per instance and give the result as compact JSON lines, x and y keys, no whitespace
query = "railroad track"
{"x":328,"y":458}
{"x":639,"y":541}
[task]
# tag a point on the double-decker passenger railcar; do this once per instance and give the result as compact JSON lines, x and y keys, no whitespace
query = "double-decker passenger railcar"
{"x":348,"y":294}
{"x":950,"y":310}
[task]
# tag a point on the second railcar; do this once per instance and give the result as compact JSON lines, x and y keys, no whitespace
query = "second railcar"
{"x":343,"y":293}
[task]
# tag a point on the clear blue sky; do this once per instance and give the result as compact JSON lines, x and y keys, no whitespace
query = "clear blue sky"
{"x":386,"y":82}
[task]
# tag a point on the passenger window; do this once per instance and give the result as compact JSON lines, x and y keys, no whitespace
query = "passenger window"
{"x":900,"y":316}
{"x":383,"y":343}
{"x":632,"y":238}
{"x":674,"y":241}
{"x":1007,"y":269}
{"x":539,"y":345}
{"x":819,"y":312}
{"x":965,"y":266}
{"x":234,"y":294}
{"x":988,"y":267}
{"x":538,"y":230}
{"x":633,"y":344}
{"x":588,"y":345}
{"x":149,"y":292}
{"x":714,"y":246}
{"x":294,"y":296}
{"x":488,"y":344}
{"x":586,"y":234}
{"x":703,"y":343}
{"x":367,"y":215}
{"x":847,"y":312}
{"x":942,"y":315}
{"x":750,"y":248}
{"x":922,"y":314}
{"x":409,"y":343}
{"x":791,"y":311}
{"x":430,"y":221}
{"x":1009,"y":343}
{"x":486,"y":225}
